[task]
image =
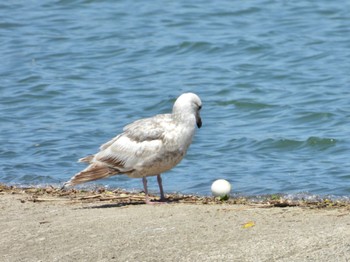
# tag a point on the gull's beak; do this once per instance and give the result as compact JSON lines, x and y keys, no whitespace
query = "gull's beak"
{"x":198,"y":120}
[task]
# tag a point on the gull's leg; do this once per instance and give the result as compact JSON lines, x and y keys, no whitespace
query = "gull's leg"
{"x":144,"y":180}
{"x":159,"y":179}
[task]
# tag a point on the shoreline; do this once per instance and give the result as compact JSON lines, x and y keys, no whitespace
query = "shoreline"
{"x":48,"y":224}
{"x":131,"y":197}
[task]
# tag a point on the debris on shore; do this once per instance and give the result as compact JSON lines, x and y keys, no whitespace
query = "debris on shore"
{"x":122,"y":197}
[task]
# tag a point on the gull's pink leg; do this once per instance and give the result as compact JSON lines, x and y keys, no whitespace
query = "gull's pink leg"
{"x":159,"y":179}
{"x":144,"y":180}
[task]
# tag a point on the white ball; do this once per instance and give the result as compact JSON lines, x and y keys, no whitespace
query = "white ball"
{"x":221,"y":188}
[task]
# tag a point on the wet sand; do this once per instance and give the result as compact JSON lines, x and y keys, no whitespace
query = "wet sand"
{"x":48,"y":227}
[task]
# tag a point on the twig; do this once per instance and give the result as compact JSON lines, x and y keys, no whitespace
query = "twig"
{"x":45,"y":199}
{"x":89,"y":197}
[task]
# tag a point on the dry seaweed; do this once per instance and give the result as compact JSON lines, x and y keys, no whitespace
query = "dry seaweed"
{"x":118,"y":196}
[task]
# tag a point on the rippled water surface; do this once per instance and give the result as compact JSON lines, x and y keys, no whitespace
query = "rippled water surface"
{"x":274,"y":77}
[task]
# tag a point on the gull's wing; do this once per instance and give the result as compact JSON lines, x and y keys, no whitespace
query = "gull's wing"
{"x":142,"y":142}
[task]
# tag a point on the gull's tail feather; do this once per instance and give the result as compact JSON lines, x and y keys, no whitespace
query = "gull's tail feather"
{"x":92,"y":172}
{"x":87,"y":159}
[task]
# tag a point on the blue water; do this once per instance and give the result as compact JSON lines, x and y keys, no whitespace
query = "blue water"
{"x":274,"y":78}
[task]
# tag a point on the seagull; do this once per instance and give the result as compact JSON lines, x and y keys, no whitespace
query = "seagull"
{"x":147,"y":147}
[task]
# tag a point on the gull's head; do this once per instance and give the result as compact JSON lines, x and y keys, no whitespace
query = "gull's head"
{"x":189,"y":104}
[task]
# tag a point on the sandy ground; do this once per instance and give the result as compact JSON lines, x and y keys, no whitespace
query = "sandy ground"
{"x":63,"y":230}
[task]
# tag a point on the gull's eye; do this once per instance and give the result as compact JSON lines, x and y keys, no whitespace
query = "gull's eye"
{"x":199,"y":107}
